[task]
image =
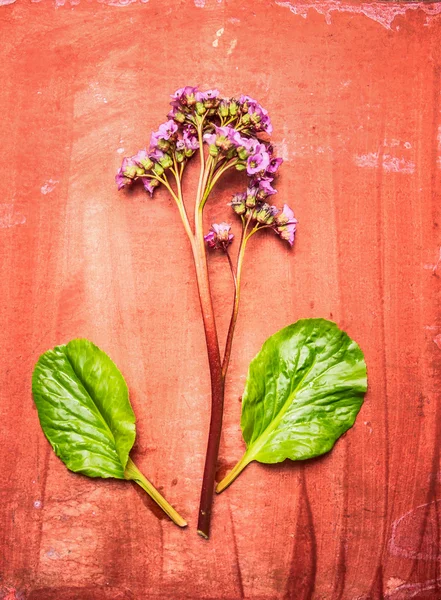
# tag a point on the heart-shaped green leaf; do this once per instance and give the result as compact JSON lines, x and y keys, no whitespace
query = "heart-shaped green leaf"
{"x":84,"y":410}
{"x":303,"y":391}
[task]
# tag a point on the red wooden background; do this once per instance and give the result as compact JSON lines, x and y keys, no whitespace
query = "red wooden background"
{"x":354,"y":94}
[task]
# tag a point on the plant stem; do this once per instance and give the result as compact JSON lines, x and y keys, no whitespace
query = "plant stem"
{"x":237,"y":279}
{"x":214,"y":359}
{"x":134,"y":474}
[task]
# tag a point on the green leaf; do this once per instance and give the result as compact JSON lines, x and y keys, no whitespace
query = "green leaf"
{"x":303,"y":391}
{"x":84,"y":410}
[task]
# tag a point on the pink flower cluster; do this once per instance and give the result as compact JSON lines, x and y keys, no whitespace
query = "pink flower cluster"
{"x":234,"y":131}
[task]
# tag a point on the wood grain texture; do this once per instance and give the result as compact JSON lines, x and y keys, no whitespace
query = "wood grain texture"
{"x":356,"y":113}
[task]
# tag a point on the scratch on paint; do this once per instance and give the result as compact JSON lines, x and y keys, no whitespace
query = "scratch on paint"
{"x":437,"y":340}
{"x":9,"y":218}
{"x":382,"y":13}
{"x":391,"y":164}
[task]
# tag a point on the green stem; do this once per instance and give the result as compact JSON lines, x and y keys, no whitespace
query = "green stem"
{"x":134,"y":474}
{"x":179,"y":202}
{"x":237,"y":279}
{"x":216,"y":176}
{"x":237,"y":470}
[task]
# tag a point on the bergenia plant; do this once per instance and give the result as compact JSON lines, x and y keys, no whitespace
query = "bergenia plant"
{"x":226,"y":134}
{"x":288,"y":376}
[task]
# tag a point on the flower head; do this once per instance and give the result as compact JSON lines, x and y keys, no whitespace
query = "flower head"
{"x":150,"y":184}
{"x":286,"y":224}
{"x":274,"y":164}
{"x":259,"y":160}
{"x":219,"y":236}
{"x":265,"y":214}
{"x":185,"y":95}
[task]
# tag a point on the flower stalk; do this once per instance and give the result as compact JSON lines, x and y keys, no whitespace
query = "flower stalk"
{"x":226,"y":132}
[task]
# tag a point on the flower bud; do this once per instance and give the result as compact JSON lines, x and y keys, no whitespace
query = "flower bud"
{"x":238,"y":204}
{"x":240,"y":166}
{"x":166,"y":161}
{"x":163,"y":144}
{"x":233,"y":108}
{"x":251,"y":197}
{"x":265,"y":214}
{"x":158,"y":169}
{"x":179,"y":117}
{"x":200,"y":108}
{"x":224,"y":108}
{"x":242,"y":153}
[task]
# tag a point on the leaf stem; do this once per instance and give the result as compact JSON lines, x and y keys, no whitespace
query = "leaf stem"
{"x":237,"y":470}
{"x":134,"y":474}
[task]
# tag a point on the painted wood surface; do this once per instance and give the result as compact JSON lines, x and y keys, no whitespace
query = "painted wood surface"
{"x":354,"y":94}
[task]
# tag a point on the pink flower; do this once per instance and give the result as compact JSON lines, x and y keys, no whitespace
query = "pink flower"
{"x":274,"y":164}
{"x":190,"y":141}
{"x":219,"y":236}
{"x":210,"y":139}
{"x":208,"y":95}
{"x":149,"y":184}
{"x":286,"y":224}
{"x":259,"y":160}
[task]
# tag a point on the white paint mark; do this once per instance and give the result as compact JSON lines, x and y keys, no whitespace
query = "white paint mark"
{"x":48,"y":186}
{"x":433,"y":267}
{"x":414,"y":535}
{"x":6,"y":2}
{"x":234,"y":20}
{"x":233,"y":44}
{"x":10,"y":218}
{"x":410,"y":590}
{"x":219,"y":33}
{"x":283,"y":149}
{"x":391,"y":164}
{"x":382,"y":13}
{"x":120,"y":150}
{"x":199,"y":3}
{"x":407,"y":145}
{"x":393,"y":583}
{"x":366,"y":160}
{"x":397,"y":165}
{"x":37,"y":504}
{"x":437,"y":340}
{"x":346,"y":83}
{"x":94,"y":85}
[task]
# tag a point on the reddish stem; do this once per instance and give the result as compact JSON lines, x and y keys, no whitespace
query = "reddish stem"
{"x":217,"y":389}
